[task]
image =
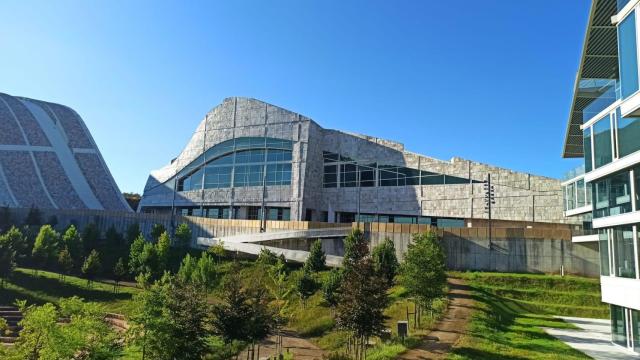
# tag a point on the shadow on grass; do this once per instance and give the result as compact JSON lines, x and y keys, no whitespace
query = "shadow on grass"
{"x":477,"y":354}
{"x":39,"y":290}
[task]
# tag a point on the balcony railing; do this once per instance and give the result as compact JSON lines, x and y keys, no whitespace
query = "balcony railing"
{"x":573,"y":173}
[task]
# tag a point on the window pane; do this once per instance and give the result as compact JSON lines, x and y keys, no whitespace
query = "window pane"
{"x":223,"y":160}
{"x":432,"y":179}
{"x":388,"y":175}
{"x":628,"y":55}
{"x":367,"y":175}
{"x":249,"y":156}
{"x":580,"y":195}
{"x":587,"y":150}
{"x":618,"y":328}
{"x":628,"y":134}
{"x":278,"y":174}
{"x":603,"y":242}
{"x":217,"y":177}
{"x":620,"y":194}
{"x":636,"y":173}
{"x":635,"y":325}
{"x":348,"y":175}
{"x":570,"y":196}
{"x":623,"y":251}
{"x":602,"y":142}
{"x":275,"y":155}
{"x":330,"y":179}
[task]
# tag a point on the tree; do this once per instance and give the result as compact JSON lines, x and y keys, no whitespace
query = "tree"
{"x":7,"y":259}
{"x":90,"y":237}
{"x":217,"y":250}
{"x":45,"y":249}
{"x":330,"y":287}
{"x":163,"y":248}
{"x":423,"y":271}
{"x":171,"y":321}
{"x":65,"y":263}
{"x":119,"y":272}
{"x":18,"y":243}
{"x":148,"y":260}
{"x":73,"y":242}
{"x":134,"y":254}
{"x":157,"y":230}
{"x":183,"y":236}
{"x":34,"y":217}
{"x":306,"y":286}
{"x":267,"y":257}
{"x":133,"y":231}
{"x":201,"y":272}
{"x":363,"y":299}
{"x":113,"y":237}
{"x":355,"y":248}
{"x":91,"y":266}
{"x":317,"y":258}
{"x":385,"y":261}
{"x":133,"y":199}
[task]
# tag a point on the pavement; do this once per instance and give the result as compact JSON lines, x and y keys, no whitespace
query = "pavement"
{"x":593,"y":338}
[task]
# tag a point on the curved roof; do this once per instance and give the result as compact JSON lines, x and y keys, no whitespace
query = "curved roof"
{"x":48,"y":159}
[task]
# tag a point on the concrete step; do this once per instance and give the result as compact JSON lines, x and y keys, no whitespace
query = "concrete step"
{"x":8,"y":339}
{"x":7,"y":307}
{"x":4,"y":313}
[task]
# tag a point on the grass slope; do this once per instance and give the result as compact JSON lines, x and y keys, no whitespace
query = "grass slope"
{"x":48,"y":287}
{"x":511,"y":310}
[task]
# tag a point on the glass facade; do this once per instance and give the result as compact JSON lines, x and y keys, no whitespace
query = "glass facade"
{"x":603,"y":242}
{"x":588,"y":160}
{"x":243,"y":161}
{"x":602,"y":151}
{"x":618,"y":326}
{"x":623,"y":251}
{"x":341,"y":171}
{"x":612,"y":195}
{"x":628,"y":55}
{"x":635,"y":328}
{"x":628,"y":134}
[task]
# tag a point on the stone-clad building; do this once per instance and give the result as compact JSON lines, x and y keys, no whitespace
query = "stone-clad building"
{"x":49,"y":160}
{"x":246,"y":156}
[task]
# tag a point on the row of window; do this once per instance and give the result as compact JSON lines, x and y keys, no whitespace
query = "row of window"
{"x":617,"y":251}
{"x":341,"y":171}
{"x":239,"y":162}
{"x":238,"y":212}
{"x":576,"y":195}
{"x":349,"y":217}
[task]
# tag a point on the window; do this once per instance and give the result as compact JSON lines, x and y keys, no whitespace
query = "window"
{"x":580,"y":194}
{"x":450,"y":223}
{"x":603,"y":242}
{"x":623,"y":251}
{"x":635,"y":326}
{"x":348,"y":175}
{"x":253,"y":213}
{"x":249,"y":156}
{"x":278,"y":214}
{"x":628,"y":134}
{"x":586,"y":144}
{"x":218,"y":212}
{"x":636,"y":175}
{"x":278,"y":174}
{"x":330,"y":176}
{"x":388,"y":175}
{"x":248,"y":175}
{"x":618,"y":326}
{"x":612,"y":196}
{"x":628,"y":55}
{"x":602,"y":142}
{"x":432,"y":179}
{"x":217,"y":177}
{"x":275,"y":155}
{"x":367,"y":175}
{"x":570,"y":196}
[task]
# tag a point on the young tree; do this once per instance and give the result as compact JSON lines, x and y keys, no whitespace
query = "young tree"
{"x":187,"y":268}
{"x":45,"y":249}
{"x":65,"y":263}
{"x":91,"y":266}
{"x":73,"y":242}
{"x":133,"y":231}
{"x":34,"y":217}
{"x":306,"y":286}
{"x":363,"y":299}
{"x":7,"y":259}
{"x":18,"y":243}
{"x":134,"y":254}
{"x":163,"y":249}
{"x":355,"y":248}
{"x":201,"y":272}
{"x":330,"y":287}
{"x":267,"y":257}
{"x":157,"y":230}
{"x":385,"y":261}
{"x":119,"y":272}
{"x":423,"y":270}
{"x":317,"y":258}
{"x":183,"y":236}
{"x":90,"y":237}
{"x":113,"y":237}
{"x":217,"y":250}
{"x":148,"y":261}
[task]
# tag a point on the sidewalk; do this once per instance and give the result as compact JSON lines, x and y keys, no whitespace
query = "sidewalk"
{"x":592,"y":338}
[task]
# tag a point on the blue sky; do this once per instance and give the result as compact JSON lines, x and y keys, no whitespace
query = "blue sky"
{"x":489,"y":81}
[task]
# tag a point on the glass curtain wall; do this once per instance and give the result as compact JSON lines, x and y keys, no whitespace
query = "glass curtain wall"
{"x":603,"y":242}
{"x":588,"y":165}
{"x":618,"y":326}
{"x":612,"y":196}
{"x":628,"y":55}
{"x":623,"y":251}
{"x":602,"y":151}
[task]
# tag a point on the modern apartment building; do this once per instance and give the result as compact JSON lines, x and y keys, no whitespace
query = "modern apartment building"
{"x":248,"y":157}
{"x":604,"y":129}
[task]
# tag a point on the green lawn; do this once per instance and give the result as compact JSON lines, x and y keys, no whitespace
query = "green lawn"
{"x":512,"y":308}
{"x":48,"y":287}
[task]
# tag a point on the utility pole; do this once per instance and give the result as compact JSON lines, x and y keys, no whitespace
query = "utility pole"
{"x":489,"y":199}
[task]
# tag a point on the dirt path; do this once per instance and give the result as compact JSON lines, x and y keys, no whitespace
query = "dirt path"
{"x":301,"y":348}
{"x":448,"y":330}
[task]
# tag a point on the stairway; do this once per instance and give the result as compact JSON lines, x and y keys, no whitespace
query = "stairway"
{"x":13,"y":316}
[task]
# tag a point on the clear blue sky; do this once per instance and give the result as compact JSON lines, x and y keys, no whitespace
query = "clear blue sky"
{"x":489,"y":81}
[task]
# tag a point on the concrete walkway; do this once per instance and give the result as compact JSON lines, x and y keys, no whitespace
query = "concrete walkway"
{"x":592,"y":338}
